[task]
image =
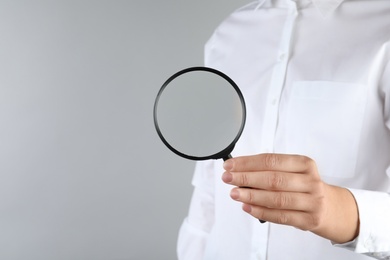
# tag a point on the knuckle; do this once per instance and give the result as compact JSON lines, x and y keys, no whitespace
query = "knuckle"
{"x":315,"y":221}
{"x":316,"y":218}
{"x":276,"y":181}
{"x":270,"y":161}
{"x":281,"y":200}
{"x":282,"y":218}
{"x":317,"y":187}
{"x":244,"y":180}
{"x":308,"y":162}
{"x":251,"y":197}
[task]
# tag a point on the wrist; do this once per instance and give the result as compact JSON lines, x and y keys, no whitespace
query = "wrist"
{"x":341,"y":218}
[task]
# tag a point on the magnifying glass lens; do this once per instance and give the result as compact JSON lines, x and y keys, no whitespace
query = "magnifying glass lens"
{"x":198,"y":113}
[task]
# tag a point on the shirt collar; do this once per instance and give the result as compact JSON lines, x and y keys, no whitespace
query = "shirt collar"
{"x":326,"y":7}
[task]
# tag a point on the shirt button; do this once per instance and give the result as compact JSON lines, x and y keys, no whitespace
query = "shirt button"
{"x":274,"y":102}
{"x":282,"y":57}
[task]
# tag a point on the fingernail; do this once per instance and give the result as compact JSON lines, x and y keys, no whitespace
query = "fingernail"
{"x":227,"y":177}
{"x":235,"y":194}
{"x":247,"y":208}
{"x":228,"y":165}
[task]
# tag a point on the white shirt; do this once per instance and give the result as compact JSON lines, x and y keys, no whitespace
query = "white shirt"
{"x":316,"y":79}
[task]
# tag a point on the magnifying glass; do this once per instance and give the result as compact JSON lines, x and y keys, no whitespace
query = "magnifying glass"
{"x":199,"y":114}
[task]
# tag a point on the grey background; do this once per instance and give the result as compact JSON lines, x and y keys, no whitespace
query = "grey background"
{"x":83,"y":174}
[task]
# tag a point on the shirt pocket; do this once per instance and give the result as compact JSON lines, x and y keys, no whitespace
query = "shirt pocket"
{"x":324,"y":122}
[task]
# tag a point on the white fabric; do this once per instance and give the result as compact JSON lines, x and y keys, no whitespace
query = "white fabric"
{"x":316,"y":79}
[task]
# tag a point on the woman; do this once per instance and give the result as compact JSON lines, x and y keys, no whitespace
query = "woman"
{"x":315,"y":75}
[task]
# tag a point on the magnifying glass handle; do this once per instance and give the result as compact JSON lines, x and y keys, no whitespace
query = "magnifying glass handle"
{"x":229,"y":156}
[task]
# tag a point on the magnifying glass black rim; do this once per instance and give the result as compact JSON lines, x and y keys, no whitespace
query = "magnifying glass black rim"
{"x":225,"y":152}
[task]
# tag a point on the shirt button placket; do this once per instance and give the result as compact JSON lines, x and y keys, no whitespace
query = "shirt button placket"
{"x":270,"y":122}
{"x":278,"y":77}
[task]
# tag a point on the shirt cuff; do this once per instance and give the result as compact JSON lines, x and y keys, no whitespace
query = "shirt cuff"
{"x":349,"y":245}
{"x":374,"y":218}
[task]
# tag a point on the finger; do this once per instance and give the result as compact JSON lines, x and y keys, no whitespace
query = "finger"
{"x":275,"y":200}
{"x":270,"y":162}
{"x":298,"y":219}
{"x":267,"y":180}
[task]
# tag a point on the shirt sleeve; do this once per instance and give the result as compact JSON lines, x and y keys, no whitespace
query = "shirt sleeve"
{"x":374,"y":216}
{"x":374,"y":207}
{"x":197,"y":225}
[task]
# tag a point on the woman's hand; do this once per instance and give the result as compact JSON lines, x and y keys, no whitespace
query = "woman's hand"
{"x":287,"y":189}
